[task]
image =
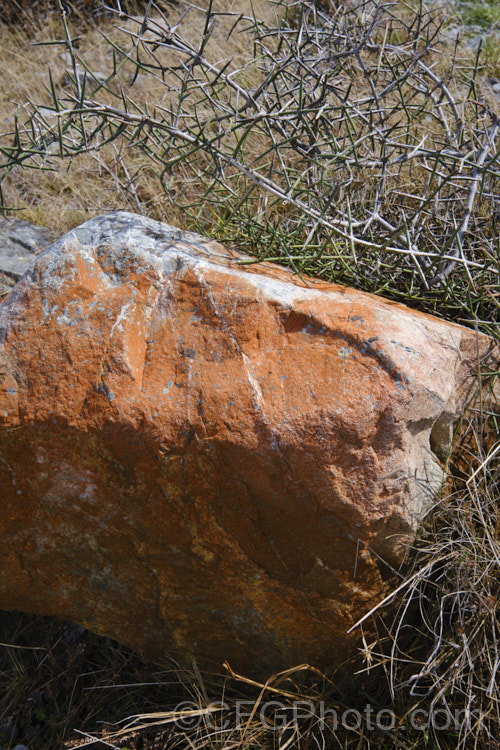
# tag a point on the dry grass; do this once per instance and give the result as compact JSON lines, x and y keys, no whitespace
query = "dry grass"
{"x":356,"y":144}
{"x":118,"y":176}
{"x":439,"y":631}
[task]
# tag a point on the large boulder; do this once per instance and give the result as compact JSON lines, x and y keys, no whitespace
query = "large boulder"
{"x":199,"y":455}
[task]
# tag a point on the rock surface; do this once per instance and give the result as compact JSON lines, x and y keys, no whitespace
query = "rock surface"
{"x":20,"y":243}
{"x":202,"y":456}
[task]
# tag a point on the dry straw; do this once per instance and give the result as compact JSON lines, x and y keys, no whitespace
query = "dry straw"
{"x":349,"y":143}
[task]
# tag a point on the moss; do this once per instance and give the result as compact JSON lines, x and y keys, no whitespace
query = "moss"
{"x":484,"y":14}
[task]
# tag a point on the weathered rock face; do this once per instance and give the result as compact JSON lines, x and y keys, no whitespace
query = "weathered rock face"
{"x":20,"y":243}
{"x":198,"y":455}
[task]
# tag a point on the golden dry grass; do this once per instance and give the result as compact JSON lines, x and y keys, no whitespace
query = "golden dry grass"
{"x":62,"y":192}
{"x":117,"y":177}
{"x":120,"y":176}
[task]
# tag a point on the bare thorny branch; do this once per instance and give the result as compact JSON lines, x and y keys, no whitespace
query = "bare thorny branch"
{"x":322,"y":137}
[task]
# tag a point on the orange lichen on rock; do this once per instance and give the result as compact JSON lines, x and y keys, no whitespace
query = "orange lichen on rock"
{"x":201,"y":456}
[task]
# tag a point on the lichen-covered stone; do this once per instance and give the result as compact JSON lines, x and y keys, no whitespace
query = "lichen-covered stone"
{"x":202,"y":456}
